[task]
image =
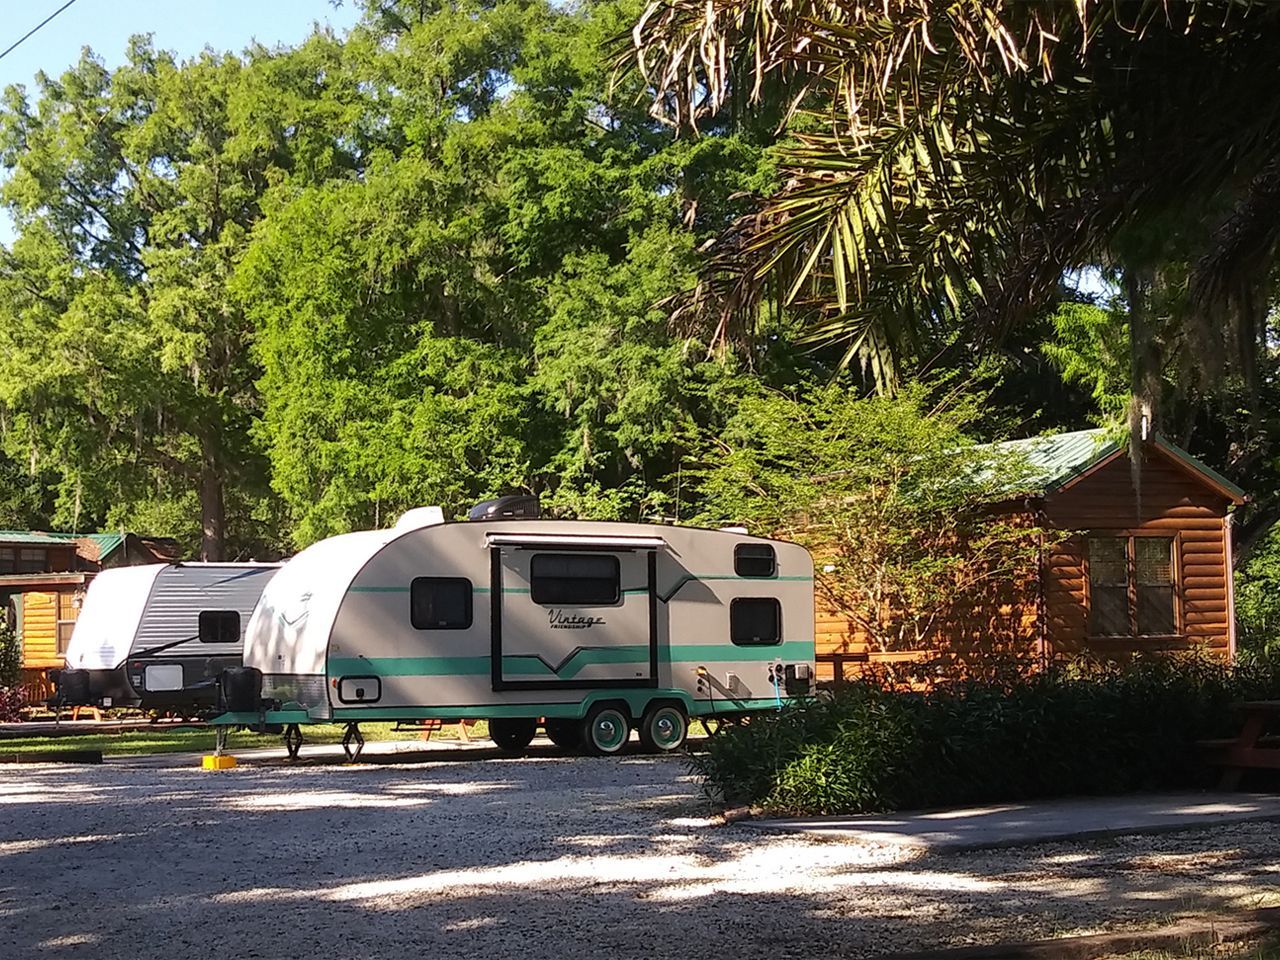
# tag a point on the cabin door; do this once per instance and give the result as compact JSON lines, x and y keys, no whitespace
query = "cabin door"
{"x":573,"y":618}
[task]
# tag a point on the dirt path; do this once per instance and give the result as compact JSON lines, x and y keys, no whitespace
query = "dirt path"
{"x":531,"y":859}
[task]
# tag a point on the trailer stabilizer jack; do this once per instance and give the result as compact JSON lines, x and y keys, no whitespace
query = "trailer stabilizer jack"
{"x":353,"y":742}
{"x":292,"y":740}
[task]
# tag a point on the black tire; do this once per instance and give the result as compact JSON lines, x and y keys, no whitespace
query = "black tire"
{"x":606,"y":730}
{"x":664,"y":727}
{"x":512,"y":734}
{"x":565,"y":734}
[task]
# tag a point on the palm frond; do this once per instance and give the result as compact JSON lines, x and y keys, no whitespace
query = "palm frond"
{"x":968,"y":152}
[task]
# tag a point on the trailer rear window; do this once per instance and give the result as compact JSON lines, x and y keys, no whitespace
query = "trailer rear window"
{"x":440,"y":603}
{"x":219,"y":626}
{"x":572,"y":578}
{"x":754,"y":560}
{"x":755,"y":621}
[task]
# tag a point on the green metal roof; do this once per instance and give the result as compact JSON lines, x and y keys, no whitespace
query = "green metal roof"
{"x":1055,"y":460}
{"x":35,"y":538}
{"x":107,"y":543}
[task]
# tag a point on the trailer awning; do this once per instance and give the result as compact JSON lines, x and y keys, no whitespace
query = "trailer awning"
{"x":592,"y":541}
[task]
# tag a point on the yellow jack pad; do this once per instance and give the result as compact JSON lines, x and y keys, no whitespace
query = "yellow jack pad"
{"x":214,"y":762}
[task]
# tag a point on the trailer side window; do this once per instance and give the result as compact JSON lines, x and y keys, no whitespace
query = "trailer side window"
{"x":755,"y":621}
{"x":571,"y":578}
{"x":440,"y":603}
{"x":754,"y":560}
{"x":219,"y":626}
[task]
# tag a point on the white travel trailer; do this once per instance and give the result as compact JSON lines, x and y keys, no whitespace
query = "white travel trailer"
{"x":160,"y":635}
{"x":595,"y":629}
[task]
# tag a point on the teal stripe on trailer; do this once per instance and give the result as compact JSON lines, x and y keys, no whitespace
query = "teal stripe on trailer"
{"x":636,"y":700}
{"x":408,"y":666}
{"x":530,"y":665}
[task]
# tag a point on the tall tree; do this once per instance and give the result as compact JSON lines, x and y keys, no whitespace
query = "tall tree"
{"x":123,"y":366}
{"x":473,"y":314}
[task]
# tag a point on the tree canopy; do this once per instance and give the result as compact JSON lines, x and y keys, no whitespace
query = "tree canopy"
{"x":487,"y":246}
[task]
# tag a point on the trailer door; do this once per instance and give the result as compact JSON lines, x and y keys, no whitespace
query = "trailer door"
{"x":573,"y":614}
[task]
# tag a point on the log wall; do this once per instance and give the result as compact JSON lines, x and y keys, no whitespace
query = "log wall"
{"x":1169,"y":501}
{"x":1050,"y":618}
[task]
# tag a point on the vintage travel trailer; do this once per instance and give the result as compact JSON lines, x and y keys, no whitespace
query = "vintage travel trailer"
{"x":160,"y":635}
{"x":593,"y":629}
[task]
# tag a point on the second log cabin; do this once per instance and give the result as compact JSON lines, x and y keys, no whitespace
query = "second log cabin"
{"x":1143,"y":562}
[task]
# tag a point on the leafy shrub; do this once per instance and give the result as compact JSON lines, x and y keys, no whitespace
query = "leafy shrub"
{"x":10,"y":653}
{"x":1080,"y":729}
{"x":10,"y":705}
{"x":1258,"y":598}
{"x":889,"y":494}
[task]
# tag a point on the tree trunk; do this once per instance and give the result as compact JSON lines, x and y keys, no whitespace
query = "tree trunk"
{"x":213,"y":520}
{"x":1144,"y":375}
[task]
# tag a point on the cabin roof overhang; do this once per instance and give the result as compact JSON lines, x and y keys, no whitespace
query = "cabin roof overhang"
{"x":1176,"y":456}
{"x":42,"y":581}
{"x":1061,"y":461}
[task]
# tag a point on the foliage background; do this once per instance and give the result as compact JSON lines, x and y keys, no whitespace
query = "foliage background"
{"x":1078,"y":730}
{"x":259,"y":298}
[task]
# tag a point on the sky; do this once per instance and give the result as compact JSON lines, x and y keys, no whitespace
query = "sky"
{"x":184,"y":26}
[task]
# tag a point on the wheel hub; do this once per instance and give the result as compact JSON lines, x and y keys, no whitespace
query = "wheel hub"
{"x":608,"y":731}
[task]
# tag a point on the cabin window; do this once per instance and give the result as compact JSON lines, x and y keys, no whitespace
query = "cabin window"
{"x":219,"y":626}
{"x":1153,"y":577}
{"x":754,"y":560}
{"x":23,"y":560}
{"x":440,"y":603}
{"x":68,"y":610}
{"x":1131,"y":587}
{"x":755,"y":621}
{"x":585,"y":579}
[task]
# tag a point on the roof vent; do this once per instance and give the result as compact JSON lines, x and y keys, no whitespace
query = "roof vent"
{"x":420,"y":517}
{"x":521,"y":506}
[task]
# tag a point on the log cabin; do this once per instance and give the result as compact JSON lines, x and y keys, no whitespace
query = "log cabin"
{"x":1128,"y":569}
{"x":43,"y":577}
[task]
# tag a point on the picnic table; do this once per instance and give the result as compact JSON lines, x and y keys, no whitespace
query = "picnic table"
{"x":1250,"y":749}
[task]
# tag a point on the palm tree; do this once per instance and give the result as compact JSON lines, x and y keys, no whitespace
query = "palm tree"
{"x":945,"y":162}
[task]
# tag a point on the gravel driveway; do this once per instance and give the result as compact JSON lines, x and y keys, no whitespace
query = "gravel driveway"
{"x":531,"y":859}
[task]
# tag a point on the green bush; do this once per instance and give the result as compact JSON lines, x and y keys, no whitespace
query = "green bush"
{"x":10,"y":653}
{"x":1075,"y":730}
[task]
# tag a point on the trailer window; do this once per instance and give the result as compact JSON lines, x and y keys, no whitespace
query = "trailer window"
{"x":440,"y":603}
{"x":219,"y":626}
{"x":755,"y":622}
{"x":572,"y":578}
{"x":754,"y":560}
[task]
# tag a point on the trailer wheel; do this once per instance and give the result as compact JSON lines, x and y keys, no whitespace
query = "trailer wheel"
{"x":565,"y":734}
{"x":512,"y":734}
{"x":663,"y":728}
{"x":606,"y":730}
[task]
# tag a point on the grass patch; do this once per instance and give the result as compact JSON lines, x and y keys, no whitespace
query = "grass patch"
{"x":180,"y":739}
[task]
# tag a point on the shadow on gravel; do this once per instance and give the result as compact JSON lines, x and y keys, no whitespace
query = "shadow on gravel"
{"x":533,"y":858}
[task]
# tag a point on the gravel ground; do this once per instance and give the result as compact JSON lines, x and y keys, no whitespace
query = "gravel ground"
{"x":532,"y":858}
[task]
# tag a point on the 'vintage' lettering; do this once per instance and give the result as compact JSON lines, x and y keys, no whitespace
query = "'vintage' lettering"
{"x":571,"y":621}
